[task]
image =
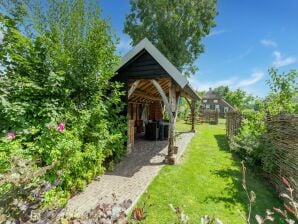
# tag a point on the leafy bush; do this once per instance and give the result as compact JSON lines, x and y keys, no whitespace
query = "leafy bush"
{"x":251,"y":142}
{"x":59,"y":111}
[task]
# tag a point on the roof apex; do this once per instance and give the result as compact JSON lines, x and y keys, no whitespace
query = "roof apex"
{"x":173,"y":72}
{"x":145,"y":44}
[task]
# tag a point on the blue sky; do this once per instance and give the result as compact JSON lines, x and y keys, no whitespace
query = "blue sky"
{"x":250,"y":37}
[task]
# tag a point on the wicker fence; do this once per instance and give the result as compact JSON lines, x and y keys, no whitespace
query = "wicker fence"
{"x":233,"y":123}
{"x":209,"y":117}
{"x":283,"y":134}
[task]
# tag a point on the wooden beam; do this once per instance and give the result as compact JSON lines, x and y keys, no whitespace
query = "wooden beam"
{"x":193,"y":115}
{"x":145,"y":95}
{"x":187,"y":100}
{"x":133,"y":88}
{"x":164,"y":97}
{"x":192,"y":106}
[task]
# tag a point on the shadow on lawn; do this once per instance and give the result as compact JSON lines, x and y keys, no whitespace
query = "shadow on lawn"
{"x":222,"y":142}
{"x":234,"y":193}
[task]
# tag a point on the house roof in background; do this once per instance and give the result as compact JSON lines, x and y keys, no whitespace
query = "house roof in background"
{"x":211,"y":95}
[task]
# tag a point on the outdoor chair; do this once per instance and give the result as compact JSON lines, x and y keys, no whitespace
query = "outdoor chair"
{"x":151,"y":131}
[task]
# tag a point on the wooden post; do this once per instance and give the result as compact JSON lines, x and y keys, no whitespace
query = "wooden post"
{"x":131,"y":137}
{"x":171,"y":106}
{"x":193,"y":115}
{"x":173,"y":101}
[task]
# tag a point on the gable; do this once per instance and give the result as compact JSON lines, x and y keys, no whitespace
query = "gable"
{"x":142,"y":65}
{"x":146,"y":61}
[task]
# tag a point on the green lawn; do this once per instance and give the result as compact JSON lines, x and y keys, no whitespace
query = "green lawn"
{"x":208,"y":181}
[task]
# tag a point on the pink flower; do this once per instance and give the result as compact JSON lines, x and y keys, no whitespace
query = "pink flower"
{"x":10,"y":135}
{"x":60,"y":126}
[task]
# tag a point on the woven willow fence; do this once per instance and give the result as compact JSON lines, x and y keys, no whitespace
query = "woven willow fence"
{"x":283,"y":134}
{"x":233,"y":123}
{"x":209,"y":117}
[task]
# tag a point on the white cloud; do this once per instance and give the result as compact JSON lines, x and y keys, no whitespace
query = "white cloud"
{"x":280,"y":61}
{"x":216,"y":32}
{"x":233,"y":83}
{"x":204,"y":86}
{"x":255,"y":77}
{"x":268,"y":43}
{"x":239,"y":57}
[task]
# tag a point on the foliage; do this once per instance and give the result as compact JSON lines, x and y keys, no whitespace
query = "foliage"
{"x":182,"y":218}
{"x":221,"y":91}
{"x":58,"y":108}
{"x":284,"y":92}
{"x":251,"y":196}
{"x":184,"y":108}
{"x":22,"y":194}
{"x":210,"y":220}
{"x":251,"y":142}
{"x":238,"y":98}
{"x":176,"y":28}
{"x":103,"y":213}
{"x":290,"y":206}
{"x":250,"y":137}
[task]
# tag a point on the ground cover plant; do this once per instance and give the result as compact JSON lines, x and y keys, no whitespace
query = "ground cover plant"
{"x":208,"y":181}
{"x":61,"y":121}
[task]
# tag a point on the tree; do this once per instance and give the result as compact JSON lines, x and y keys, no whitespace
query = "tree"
{"x":283,"y":92}
{"x":221,"y":91}
{"x":75,"y":43}
{"x":237,"y":98}
{"x":175,"y":27}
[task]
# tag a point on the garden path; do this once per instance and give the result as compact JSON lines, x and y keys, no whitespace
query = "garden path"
{"x":130,"y":177}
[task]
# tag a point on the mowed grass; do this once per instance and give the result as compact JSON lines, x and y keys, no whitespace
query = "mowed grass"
{"x":207,"y":181}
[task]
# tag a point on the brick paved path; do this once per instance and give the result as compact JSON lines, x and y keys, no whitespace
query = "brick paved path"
{"x":130,"y":177}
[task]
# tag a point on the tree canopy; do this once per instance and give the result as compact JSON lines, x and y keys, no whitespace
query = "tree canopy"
{"x":175,"y":27}
{"x":237,"y":98}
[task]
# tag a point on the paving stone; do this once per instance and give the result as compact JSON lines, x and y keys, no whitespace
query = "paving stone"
{"x":130,"y":177}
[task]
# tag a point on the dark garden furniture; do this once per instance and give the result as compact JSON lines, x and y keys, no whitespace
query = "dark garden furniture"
{"x":157,"y":130}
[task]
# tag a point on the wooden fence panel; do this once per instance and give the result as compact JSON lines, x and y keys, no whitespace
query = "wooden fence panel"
{"x":282,"y":132}
{"x":209,"y":117}
{"x":233,"y":123}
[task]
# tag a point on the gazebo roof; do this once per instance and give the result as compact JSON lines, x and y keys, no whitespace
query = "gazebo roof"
{"x":146,"y":46}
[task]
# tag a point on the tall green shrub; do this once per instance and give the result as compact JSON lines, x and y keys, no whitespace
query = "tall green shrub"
{"x":58,"y":108}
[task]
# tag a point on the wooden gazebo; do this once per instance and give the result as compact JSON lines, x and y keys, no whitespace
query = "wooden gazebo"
{"x":150,"y":79}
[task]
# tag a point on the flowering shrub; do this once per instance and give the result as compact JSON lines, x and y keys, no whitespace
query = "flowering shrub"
{"x":60,"y":113}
